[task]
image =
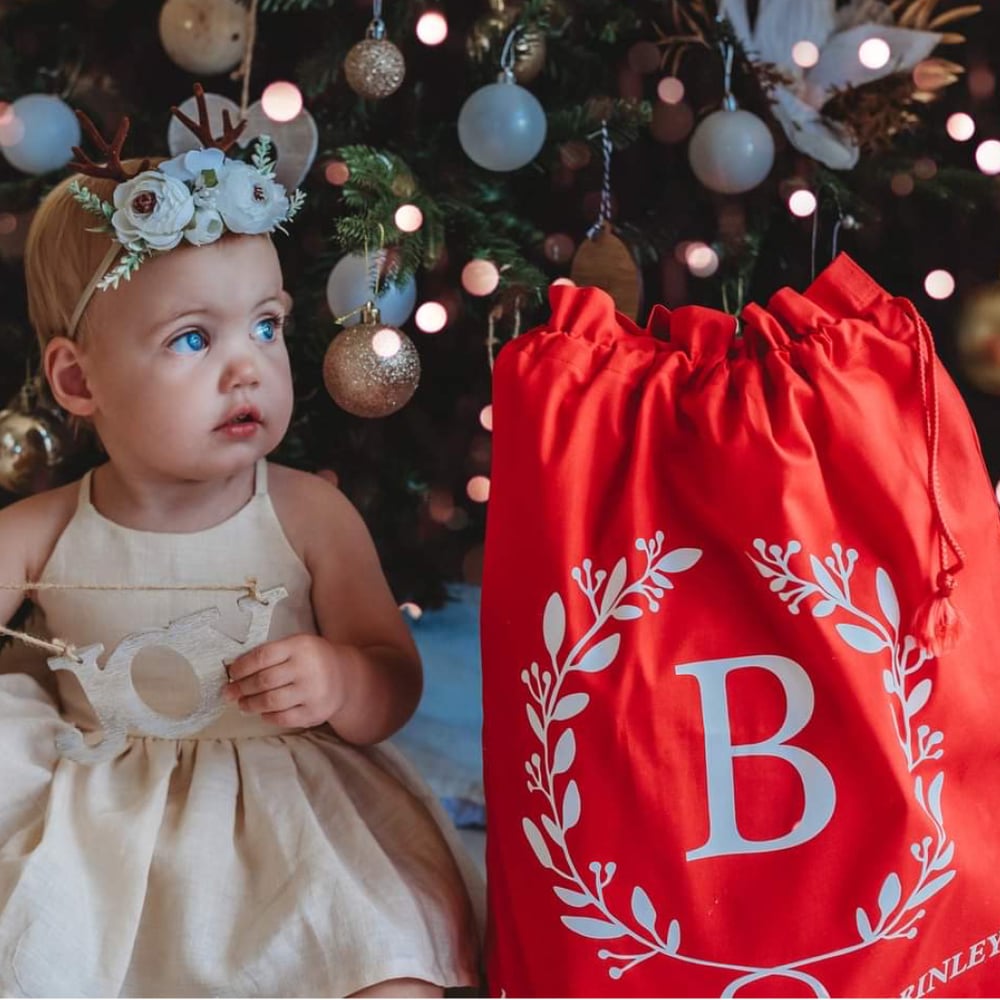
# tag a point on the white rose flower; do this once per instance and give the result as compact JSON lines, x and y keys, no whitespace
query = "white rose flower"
{"x":248,"y":201}
{"x":152,"y":209}
{"x":206,"y":228}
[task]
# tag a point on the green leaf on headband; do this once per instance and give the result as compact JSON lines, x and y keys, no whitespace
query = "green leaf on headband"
{"x":90,"y":201}
{"x":124,"y":269}
{"x":261,"y":158}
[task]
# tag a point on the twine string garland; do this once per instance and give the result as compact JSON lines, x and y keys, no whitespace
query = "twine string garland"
{"x":63,"y":648}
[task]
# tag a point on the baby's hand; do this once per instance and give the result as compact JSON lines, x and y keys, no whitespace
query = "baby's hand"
{"x":296,"y":681}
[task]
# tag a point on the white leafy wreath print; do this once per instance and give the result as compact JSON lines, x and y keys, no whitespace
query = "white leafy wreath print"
{"x":551,"y":707}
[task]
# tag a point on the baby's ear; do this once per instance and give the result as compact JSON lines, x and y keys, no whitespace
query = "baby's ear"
{"x":66,"y":377}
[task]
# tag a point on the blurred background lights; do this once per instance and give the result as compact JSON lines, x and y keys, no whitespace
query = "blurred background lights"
{"x":480,"y":277}
{"x":805,"y":54}
{"x":486,"y":416}
{"x":702,"y":260}
{"x":988,"y":156}
{"x":281,"y":101}
{"x":874,"y":53}
{"x":939,"y":284}
{"x":408,"y":218}
{"x":478,"y":489}
{"x":802,"y":203}
{"x":961,"y":126}
{"x":670,"y":90}
{"x":337,"y":173}
{"x":432,"y":28}
{"x":386,"y":342}
{"x":432,"y":317}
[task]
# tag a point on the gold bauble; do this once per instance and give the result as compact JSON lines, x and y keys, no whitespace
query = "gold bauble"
{"x":374,"y":68}
{"x":371,"y":369}
{"x":204,"y":36}
{"x":979,"y":339}
{"x":33,"y":444}
{"x":487,"y":36}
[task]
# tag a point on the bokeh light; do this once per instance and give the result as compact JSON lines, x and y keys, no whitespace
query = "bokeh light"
{"x":988,"y":156}
{"x":805,"y":54}
{"x":337,"y":173}
{"x":874,"y":53}
{"x":408,"y":218}
{"x":432,"y":28}
{"x":480,"y":277}
{"x":961,"y":127}
{"x":431,"y":317}
{"x":702,"y":260}
{"x":486,"y":416}
{"x":670,"y":90}
{"x":939,"y":284}
{"x":902,"y":184}
{"x":478,"y":489}
{"x":386,"y":342}
{"x":281,"y":101}
{"x":802,"y":203}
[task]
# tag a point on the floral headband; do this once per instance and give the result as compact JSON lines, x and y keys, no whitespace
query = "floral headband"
{"x":194,"y":197}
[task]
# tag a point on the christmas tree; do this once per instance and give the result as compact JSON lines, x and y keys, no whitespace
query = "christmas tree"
{"x":459,"y":157}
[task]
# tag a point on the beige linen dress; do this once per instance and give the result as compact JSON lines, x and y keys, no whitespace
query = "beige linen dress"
{"x":239,"y":860}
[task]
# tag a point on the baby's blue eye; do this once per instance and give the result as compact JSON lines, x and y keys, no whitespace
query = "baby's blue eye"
{"x":267,"y":329}
{"x":190,"y":342}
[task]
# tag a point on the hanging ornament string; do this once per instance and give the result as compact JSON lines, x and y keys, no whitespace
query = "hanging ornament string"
{"x":604,"y":212}
{"x":374,"y":266}
{"x":377,"y":27}
{"x":844,"y":221}
{"x":243,"y":72}
{"x":728,"y":56}
{"x":341,"y":320}
{"x":491,"y":329}
{"x":63,"y":648}
{"x":508,"y":56}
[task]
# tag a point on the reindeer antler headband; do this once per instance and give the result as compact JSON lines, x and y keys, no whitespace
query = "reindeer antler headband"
{"x":195,"y":197}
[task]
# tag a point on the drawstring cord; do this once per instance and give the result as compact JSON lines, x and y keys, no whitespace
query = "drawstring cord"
{"x":937,"y":623}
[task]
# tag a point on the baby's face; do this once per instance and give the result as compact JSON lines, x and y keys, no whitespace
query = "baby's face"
{"x":193,"y":341}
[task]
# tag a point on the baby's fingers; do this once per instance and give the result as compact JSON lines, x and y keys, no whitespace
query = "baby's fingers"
{"x":276,"y":700}
{"x":266,"y":680}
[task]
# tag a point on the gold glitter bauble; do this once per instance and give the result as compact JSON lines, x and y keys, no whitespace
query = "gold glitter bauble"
{"x":979,"y":339}
{"x":374,"y":68}
{"x":372,"y":369}
{"x":487,"y":36}
{"x":32,"y":446}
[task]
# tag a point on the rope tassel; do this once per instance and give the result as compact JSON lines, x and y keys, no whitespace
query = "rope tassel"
{"x":938,"y":625}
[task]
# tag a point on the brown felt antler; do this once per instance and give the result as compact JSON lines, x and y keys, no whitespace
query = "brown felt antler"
{"x":203,"y":127}
{"x":112,"y":164}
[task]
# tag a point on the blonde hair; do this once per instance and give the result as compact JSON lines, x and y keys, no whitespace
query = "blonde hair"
{"x":61,"y":256}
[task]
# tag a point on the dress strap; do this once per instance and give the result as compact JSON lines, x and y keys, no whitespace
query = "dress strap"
{"x":260,"y":478}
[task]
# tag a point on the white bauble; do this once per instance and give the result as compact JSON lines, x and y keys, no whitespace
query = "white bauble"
{"x":350,"y":286}
{"x":204,"y":36}
{"x":502,"y":126}
{"x":731,"y":151}
{"x":38,"y":132}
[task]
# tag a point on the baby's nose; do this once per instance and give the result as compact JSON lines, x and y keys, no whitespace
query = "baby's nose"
{"x":241,"y":372}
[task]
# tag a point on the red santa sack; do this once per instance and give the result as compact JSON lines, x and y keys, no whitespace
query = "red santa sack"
{"x":729,"y":750}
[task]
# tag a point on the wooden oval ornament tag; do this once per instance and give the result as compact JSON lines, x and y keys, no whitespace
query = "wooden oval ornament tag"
{"x":606,"y":262}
